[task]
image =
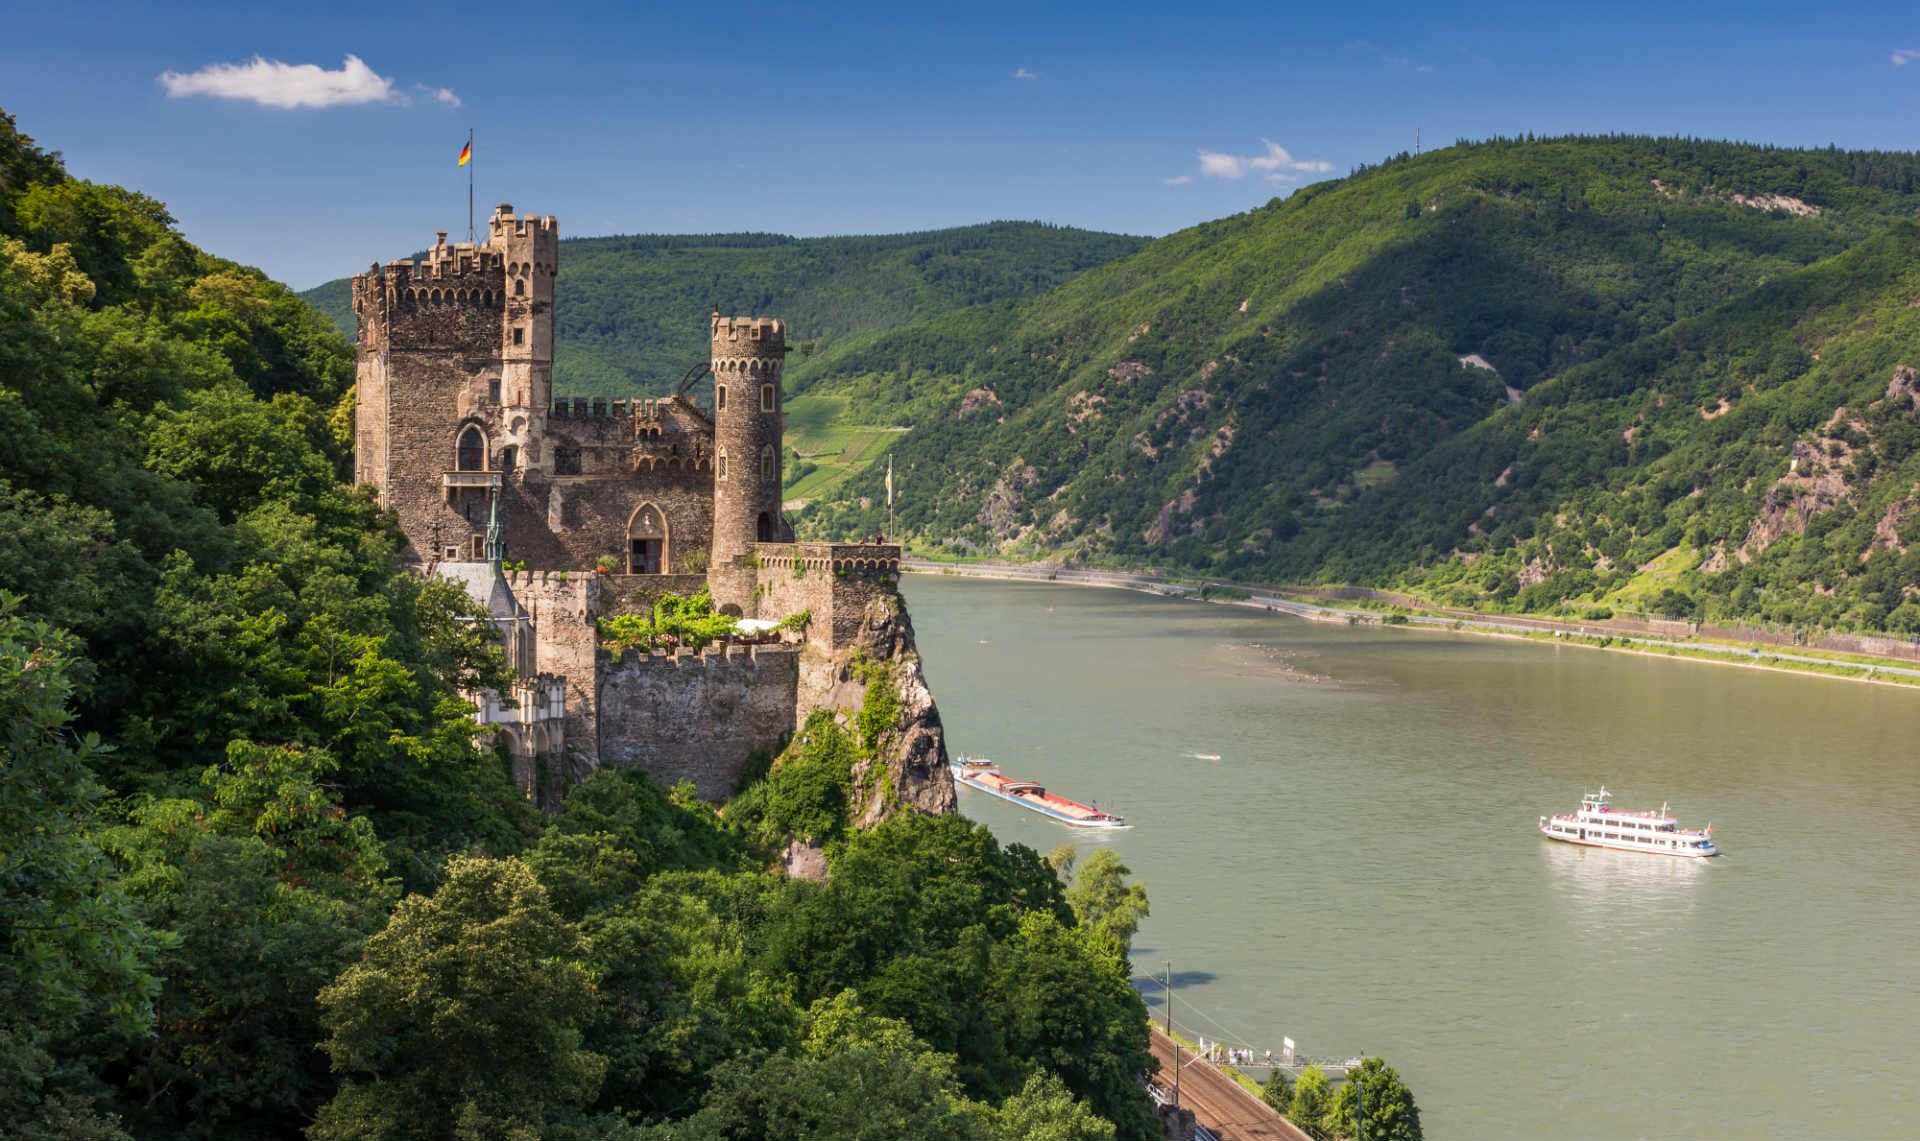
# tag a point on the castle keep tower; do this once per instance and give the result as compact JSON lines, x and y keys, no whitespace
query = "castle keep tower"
{"x":748,"y":356}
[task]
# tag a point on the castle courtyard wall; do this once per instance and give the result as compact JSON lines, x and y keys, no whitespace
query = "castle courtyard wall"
{"x":699,"y":717}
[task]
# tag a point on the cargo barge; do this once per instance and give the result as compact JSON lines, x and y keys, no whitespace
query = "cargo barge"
{"x":977,"y":772}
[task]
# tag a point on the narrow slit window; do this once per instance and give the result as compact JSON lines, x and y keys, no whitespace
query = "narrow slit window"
{"x":766,"y":398}
{"x":519,"y":336}
{"x":719,"y":398}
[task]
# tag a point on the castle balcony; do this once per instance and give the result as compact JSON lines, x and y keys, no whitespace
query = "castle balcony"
{"x":454,"y":480}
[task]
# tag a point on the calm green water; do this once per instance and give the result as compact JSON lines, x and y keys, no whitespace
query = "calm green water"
{"x":1359,"y":869}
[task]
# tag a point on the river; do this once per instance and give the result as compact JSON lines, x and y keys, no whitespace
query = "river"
{"x":1359,"y":869}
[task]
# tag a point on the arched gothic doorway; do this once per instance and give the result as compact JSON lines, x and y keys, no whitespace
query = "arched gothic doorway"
{"x":767,"y":528}
{"x":647,"y":541}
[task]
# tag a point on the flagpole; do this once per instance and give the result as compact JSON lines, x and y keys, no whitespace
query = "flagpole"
{"x":469,"y":185}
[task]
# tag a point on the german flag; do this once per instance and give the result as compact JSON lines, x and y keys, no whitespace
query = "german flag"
{"x":466,"y":154}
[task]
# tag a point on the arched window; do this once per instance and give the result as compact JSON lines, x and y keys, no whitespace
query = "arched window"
{"x":719,"y":398}
{"x":766,"y":398}
{"x":768,"y":461}
{"x":765,"y":528}
{"x":520,"y":288}
{"x":471,"y":454}
{"x":720,"y":471}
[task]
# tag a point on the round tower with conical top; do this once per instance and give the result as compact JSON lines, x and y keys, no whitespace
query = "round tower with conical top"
{"x":749,"y":354}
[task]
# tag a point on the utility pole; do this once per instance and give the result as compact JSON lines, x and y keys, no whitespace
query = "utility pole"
{"x":1359,"y":1110}
{"x":1168,"y":963}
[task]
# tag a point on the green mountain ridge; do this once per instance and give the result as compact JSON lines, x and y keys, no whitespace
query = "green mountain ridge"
{"x":1523,"y":374}
{"x":629,"y":309}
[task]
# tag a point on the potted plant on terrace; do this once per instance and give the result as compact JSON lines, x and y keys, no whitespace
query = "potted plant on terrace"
{"x":605,"y":564}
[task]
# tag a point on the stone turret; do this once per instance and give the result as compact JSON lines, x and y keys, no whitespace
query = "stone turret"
{"x":749,"y":354}
{"x":529,"y":253}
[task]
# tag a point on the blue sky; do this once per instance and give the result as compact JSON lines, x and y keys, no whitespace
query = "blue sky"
{"x":876,"y":118}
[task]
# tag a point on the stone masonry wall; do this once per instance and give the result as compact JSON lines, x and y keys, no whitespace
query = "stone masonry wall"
{"x":563,"y":608}
{"x":697,"y":717}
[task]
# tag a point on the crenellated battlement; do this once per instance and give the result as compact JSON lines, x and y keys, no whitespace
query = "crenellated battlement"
{"x":749,"y":336}
{"x":710,"y":657}
{"x":503,"y":223}
{"x":837,"y":558}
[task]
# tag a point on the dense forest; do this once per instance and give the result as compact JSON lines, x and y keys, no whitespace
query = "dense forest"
{"x":258,"y":880}
{"x":1572,"y":375}
{"x":630,"y":310}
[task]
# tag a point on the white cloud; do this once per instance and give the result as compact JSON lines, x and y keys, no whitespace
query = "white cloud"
{"x":440,"y":94}
{"x":1178,"y":180}
{"x":1905,"y":56}
{"x":1276,"y":158}
{"x":272,"y":83}
{"x":1024,"y":73}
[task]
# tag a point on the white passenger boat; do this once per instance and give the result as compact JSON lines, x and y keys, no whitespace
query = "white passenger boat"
{"x":1598,"y":824}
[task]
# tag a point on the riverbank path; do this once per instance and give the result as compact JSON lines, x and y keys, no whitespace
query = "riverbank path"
{"x":1218,"y":1102}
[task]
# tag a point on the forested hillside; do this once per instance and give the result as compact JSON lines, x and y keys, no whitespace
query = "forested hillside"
{"x":257,"y":878}
{"x":1542,"y":374}
{"x":630,"y":311}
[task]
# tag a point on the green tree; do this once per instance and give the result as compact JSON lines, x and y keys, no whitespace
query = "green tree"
{"x":1373,"y":1090}
{"x":1062,"y":1000}
{"x":1046,"y":1110}
{"x":1312,"y":1103}
{"x":1102,"y":898}
{"x":1277,"y":1091}
{"x":854,"y":1075}
{"x":269,"y":888}
{"x":72,"y":953}
{"x":463,"y":1017}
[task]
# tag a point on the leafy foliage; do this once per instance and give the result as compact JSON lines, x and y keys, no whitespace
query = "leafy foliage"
{"x":1103,"y":899}
{"x":673,"y":622}
{"x":463,"y":1017}
{"x":73,"y":956}
{"x":1374,"y":1099}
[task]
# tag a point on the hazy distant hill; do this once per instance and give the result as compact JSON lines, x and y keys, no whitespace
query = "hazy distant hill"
{"x":631,"y":310}
{"x":1576,"y":372}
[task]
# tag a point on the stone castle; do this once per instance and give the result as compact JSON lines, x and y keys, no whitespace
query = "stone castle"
{"x":555,"y":512}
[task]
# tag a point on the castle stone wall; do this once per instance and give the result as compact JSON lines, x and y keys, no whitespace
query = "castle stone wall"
{"x":836,"y":582}
{"x":697,"y":717}
{"x":563,"y":608}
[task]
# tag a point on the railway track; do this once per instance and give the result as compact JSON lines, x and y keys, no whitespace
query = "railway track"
{"x":1220,"y":1105}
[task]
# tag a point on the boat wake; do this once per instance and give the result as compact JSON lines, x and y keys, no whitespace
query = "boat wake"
{"x":1202,"y":756}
